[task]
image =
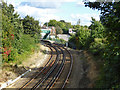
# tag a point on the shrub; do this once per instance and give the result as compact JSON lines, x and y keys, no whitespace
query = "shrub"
{"x":27,"y":43}
{"x":97,"y":46}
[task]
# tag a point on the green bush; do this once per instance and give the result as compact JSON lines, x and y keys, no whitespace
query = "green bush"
{"x":27,"y":43}
{"x":13,"y":55}
{"x":19,"y":36}
{"x":97,"y":46}
{"x":81,"y":39}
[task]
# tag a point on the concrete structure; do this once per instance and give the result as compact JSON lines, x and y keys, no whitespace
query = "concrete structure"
{"x":64,"y":36}
{"x":52,"y":36}
{"x":50,"y":30}
{"x":45,"y":31}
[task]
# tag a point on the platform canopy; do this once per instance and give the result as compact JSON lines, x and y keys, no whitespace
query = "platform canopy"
{"x":45,"y":31}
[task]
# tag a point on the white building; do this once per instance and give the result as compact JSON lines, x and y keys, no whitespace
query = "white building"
{"x":71,"y":31}
{"x":64,"y":36}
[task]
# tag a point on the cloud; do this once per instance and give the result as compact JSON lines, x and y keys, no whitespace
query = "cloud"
{"x":50,"y":0}
{"x":43,"y":5}
{"x":45,"y":10}
{"x":84,"y":18}
{"x":43,"y":15}
{"x":80,"y":3}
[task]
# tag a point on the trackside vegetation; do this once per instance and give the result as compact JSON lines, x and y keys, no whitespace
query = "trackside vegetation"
{"x":102,"y":38}
{"x":19,"y":36}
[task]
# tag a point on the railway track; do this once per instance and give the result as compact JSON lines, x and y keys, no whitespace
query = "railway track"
{"x":42,"y":72}
{"x":55,"y":73}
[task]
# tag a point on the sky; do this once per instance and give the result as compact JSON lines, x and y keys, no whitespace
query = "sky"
{"x":45,"y":10}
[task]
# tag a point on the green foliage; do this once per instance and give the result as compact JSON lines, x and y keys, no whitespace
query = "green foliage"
{"x":86,"y":38}
{"x":61,"y":26}
{"x":60,"y":41}
{"x":97,"y":29}
{"x":72,"y":41}
{"x":97,"y":47}
{"x":76,"y":27}
{"x":58,"y":30}
{"x":16,"y":41}
{"x":31,"y":27}
{"x":110,"y":18}
{"x":67,"y":27}
{"x":81,"y":39}
{"x":27,"y":43}
{"x":52,"y":23}
{"x":14,"y":55}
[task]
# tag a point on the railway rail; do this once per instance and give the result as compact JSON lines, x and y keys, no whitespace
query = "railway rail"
{"x":56,"y":71}
{"x":44,"y":69}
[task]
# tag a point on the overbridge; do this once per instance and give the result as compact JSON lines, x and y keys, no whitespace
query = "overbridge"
{"x":45,"y":33}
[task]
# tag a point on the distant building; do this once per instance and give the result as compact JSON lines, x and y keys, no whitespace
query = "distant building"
{"x":51,"y":30}
{"x":44,"y":32}
{"x":71,"y":31}
{"x":64,"y":36}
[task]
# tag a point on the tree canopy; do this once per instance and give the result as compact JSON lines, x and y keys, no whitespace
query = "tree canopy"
{"x":110,"y":18}
{"x":60,"y":25}
{"x":19,"y":36}
{"x":31,"y":27}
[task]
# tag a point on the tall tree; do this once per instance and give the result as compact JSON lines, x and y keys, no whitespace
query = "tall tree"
{"x":52,"y":23}
{"x":31,"y":27}
{"x":60,"y":24}
{"x":97,"y":29}
{"x":62,"y":21}
{"x":110,"y":18}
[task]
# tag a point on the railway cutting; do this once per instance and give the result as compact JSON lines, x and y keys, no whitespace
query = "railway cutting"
{"x":54,"y":74}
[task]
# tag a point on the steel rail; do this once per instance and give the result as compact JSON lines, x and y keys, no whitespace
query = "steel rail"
{"x":26,"y":84}
{"x":70,"y":70}
{"x":52,"y":68}
{"x":48,"y":73}
{"x":50,"y":84}
{"x":68,"y":75}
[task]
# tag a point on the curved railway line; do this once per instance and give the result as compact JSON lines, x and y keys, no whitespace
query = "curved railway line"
{"x":56,"y":71}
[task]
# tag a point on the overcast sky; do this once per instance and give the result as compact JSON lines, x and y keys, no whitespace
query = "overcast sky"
{"x":45,"y":10}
